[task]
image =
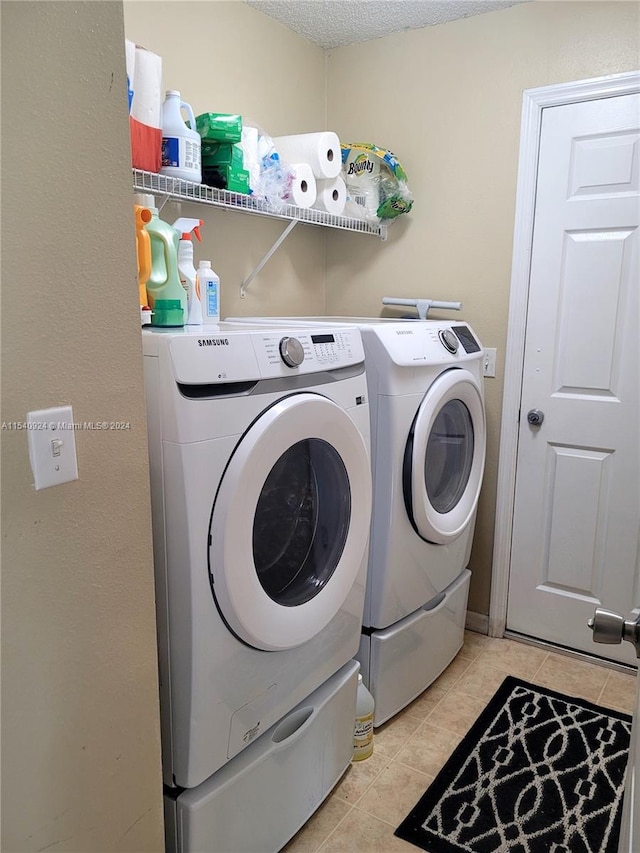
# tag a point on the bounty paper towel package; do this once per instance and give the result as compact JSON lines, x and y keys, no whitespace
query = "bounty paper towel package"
{"x":376,"y":182}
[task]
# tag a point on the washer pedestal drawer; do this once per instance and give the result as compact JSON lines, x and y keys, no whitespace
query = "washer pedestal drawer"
{"x":263,"y":796}
{"x":401,"y":661}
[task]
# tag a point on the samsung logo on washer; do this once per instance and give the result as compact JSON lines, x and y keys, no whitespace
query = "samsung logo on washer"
{"x":404,"y":331}
{"x":213,"y":342}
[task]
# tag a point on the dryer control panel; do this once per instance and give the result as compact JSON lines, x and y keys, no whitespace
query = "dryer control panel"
{"x":428,"y":342}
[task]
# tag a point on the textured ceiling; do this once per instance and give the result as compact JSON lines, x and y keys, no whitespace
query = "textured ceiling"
{"x":331,"y":23}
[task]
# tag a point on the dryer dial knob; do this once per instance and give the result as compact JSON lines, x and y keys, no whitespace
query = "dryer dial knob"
{"x":291,"y":352}
{"x":449,"y":340}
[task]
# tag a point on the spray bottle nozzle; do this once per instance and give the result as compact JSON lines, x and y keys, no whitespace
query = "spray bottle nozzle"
{"x":184,"y":226}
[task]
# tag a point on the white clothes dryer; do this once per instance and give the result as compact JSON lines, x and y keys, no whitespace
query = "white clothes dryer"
{"x":261,"y":498}
{"x":428,"y":434}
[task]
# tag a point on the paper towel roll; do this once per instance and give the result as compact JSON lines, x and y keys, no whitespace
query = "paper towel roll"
{"x":145,"y":115}
{"x":130,"y":58}
{"x":320,"y":150}
{"x":146,"y":105}
{"x":303,"y":188}
{"x":331,"y":196}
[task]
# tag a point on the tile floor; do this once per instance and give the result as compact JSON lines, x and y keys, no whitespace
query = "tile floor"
{"x":374,"y":795}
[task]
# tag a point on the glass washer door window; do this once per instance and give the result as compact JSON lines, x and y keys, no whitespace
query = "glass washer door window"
{"x":444,"y":459}
{"x":285,"y":540}
{"x":301,"y":522}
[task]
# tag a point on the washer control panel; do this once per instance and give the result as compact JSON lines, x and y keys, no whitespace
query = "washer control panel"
{"x":225,"y":352}
{"x":307,"y":351}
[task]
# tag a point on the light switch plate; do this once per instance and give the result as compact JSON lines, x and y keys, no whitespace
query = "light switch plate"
{"x":489,"y":362}
{"x":52,"y":446}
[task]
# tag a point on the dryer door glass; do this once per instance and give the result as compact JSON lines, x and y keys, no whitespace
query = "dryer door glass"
{"x":301,"y":522}
{"x":449,"y":456}
{"x":444,"y":458}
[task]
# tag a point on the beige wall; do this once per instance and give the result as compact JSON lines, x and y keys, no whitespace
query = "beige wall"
{"x":80,"y":731}
{"x":447,"y":101}
{"x":227,"y":57}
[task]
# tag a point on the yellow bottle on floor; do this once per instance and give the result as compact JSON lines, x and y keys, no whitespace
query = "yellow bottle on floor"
{"x":363,"y":730}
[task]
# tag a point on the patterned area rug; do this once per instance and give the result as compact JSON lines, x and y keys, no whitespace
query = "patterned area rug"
{"x":538,"y":772}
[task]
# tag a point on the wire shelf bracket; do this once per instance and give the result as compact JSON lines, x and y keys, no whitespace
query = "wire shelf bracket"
{"x":245,"y":284}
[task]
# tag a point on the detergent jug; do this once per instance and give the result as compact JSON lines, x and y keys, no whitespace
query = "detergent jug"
{"x":142,"y":216}
{"x":181,"y":145}
{"x":166,"y":296}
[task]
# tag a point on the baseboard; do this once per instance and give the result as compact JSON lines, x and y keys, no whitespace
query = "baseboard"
{"x":477,"y":622}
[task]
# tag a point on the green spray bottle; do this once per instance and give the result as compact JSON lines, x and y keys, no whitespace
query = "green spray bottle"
{"x":167,"y":296}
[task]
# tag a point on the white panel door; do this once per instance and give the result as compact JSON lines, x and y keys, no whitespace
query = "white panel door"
{"x":576,"y":528}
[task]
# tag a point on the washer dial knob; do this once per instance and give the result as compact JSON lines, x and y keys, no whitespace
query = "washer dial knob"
{"x":291,"y":352}
{"x":449,"y":340}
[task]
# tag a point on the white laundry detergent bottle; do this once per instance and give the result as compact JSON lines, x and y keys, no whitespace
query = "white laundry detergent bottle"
{"x":363,"y":730}
{"x":181,"y":145}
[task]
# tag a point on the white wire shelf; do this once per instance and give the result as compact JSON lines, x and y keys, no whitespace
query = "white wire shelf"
{"x":179,"y":190}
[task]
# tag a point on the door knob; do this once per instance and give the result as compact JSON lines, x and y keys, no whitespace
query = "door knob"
{"x":612,"y":628}
{"x":535,"y":417}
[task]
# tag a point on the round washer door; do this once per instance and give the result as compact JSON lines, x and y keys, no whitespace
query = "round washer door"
{"x":290,"y":522}
{"x":444,"y":458}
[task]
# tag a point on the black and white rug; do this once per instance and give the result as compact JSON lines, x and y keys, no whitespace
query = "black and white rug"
{"x":538,"y":772}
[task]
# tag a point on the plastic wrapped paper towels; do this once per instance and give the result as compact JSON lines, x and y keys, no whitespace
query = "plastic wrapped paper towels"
{"x":320,"y":150}
{"x":376,"y":182}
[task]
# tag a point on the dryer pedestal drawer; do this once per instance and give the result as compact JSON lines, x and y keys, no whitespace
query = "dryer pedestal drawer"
{"x":401,"y":661}
{"x":263,"y":796}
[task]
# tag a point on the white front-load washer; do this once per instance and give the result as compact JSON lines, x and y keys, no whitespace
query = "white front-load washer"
{"x":428,"y":434}
{"x":261,"y":500}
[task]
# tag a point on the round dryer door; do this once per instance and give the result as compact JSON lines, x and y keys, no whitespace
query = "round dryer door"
{"x":290,"y":522}
{"x":444,"y":457}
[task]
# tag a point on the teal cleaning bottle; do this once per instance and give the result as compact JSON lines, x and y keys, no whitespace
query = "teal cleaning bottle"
{"x":167,"y":297}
